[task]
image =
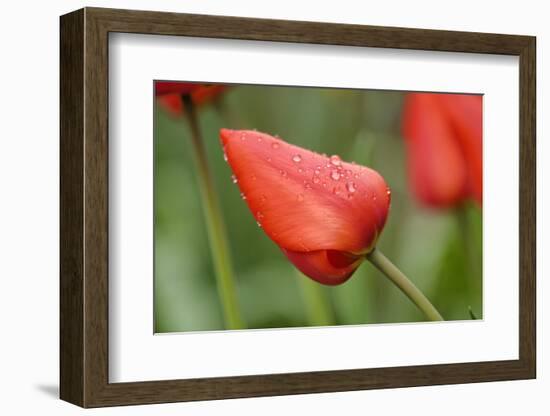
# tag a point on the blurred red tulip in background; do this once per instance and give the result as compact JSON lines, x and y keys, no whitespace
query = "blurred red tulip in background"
{"x":169,"y":94}
{"x":325,"y":214}
{"x":164,"y":88}
{"x":443,"y":133}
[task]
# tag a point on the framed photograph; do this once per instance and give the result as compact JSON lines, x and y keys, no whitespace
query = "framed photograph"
{"x":257,"y":207}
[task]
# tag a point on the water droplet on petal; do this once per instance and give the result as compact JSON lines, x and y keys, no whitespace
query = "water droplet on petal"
{"x":259,"y":218}
{"x":300,"y":170}
{"x":243,"y":196}
{"x":283,"y":173}
{"x":274,"y":145}
{"x":296,"y":158}
{"x":307,"y":185}
{"x":350,"y":186}
{"x":234,"y":179}
{"x":263,"y":198}
{"x":300,"y":197}
{"x":224,"y":155}
{"x":253,"y":177}
{"x":316,"y":179}
{"x":335,"y":175}
{"x":335,"y":160}
{"x":243,"y":137}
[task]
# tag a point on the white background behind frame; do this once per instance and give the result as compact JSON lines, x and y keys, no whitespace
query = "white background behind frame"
{"x":136,"y":355}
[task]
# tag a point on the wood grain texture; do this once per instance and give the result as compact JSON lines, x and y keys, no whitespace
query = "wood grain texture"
{"x":71,"y":100}
{"x":84,"y":207}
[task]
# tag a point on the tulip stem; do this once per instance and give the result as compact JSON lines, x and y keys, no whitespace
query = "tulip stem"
{"x":383,"y":264}
{"x":217,"y":234}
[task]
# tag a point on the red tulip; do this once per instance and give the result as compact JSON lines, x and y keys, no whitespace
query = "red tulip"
{"x":443,"y":133}
{"x":169,"y":94}
{"x":324,"y":214}
{"x":164,"y":88}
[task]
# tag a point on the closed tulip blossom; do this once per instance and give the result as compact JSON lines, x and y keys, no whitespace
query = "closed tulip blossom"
{"x":443,"y":135}
{"x":325,"y":214}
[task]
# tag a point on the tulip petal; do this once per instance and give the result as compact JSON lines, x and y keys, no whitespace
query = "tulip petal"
{"x":200,"y":95}
{"x":305,"y":201}
{"x":163,"y":88}
{"x":465,"y":115}
{"x":325,"y":266}
{"x":436,"y":165}
{"x":171,"y":103}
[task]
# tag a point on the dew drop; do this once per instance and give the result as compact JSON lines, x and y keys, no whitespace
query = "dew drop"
{"x":263,"y":198}
{"x":243,"y":196}
{"x":253,"y":177}
{"x":350,"y":186}
{"x":296,"y":158}
{"x":259,"y":218}
{"x":243,"y":137}
{"x":300,"y":197}
{"x":234,"y":179}
{"x":335,"y":160}
{"x":335,"y":175}
{"x":316,"y":179}
{"x":275,"y":145}
{"x":300,"y":170}
{"x":307,"y":185}
{"x":224,"y":156}
{"x":259,"y":139}
{"x":283,"y":173}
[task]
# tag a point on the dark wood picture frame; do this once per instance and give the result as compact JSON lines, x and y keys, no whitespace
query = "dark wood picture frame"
{"x":84,"y":207}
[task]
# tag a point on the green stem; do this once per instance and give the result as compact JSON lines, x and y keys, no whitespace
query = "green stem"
{"x":217,"y":235}
{"x":318,"y":308}
{"x":383,"y":264}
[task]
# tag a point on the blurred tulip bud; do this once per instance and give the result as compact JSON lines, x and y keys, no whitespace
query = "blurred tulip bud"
{"x":169,"y":95}
{"x":443,"y":134}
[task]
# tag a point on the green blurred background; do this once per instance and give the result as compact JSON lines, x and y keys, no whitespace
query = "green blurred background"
{"x":439,"y":250}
